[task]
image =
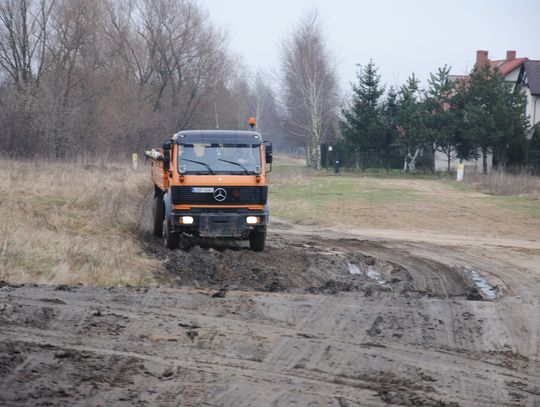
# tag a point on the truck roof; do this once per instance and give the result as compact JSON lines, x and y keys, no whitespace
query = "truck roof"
{"x":218,"y":136}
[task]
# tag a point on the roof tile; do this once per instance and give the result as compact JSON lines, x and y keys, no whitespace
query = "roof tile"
{"x":507,"y":66}
{"x":532,"y":69}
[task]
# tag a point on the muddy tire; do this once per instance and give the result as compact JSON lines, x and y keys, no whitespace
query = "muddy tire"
{"x":158,"y":212}
{"x":256,"y":240}
{"x":170,"y":239}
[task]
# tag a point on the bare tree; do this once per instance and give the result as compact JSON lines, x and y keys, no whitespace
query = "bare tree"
{"x":73,"y":38}
{"x":309,"y":85}
{"x":265,"y":108}
{"x":24,"y":27}
{"x":80,"y":76}
{"x":23,"y":38}
{"x":171,"y":50}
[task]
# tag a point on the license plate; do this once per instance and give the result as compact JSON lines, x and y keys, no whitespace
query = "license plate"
{"x":202,"y":190}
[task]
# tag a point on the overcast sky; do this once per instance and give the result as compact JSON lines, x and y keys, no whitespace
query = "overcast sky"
{"x":400,"y":36}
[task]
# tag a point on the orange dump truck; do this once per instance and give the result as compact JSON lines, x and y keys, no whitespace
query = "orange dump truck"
{"x":211,"y":183}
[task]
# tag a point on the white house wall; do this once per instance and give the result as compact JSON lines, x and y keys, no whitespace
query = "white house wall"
{"x":533,"y":107}
{"x":512,"y":77}
{"x":441,"y":163}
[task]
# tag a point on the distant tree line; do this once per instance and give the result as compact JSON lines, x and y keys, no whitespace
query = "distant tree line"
{"x":466,"y":118}
{"x":88,"y":76}
{"x":93,"y":76}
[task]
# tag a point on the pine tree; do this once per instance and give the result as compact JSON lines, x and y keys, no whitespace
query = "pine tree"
{"x":491,"y":113}
{"x":389,"y":118}
{"x":515,"y":123}
{"x":410,"y":123}
{"x":440,"y":118}
{"x":362,"y":124}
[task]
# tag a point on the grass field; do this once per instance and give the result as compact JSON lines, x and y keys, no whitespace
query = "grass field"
{"x":305,"y":196}
{"x":403,"y":201}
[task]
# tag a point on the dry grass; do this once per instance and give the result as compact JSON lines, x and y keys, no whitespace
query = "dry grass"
{"x":502,"y":183}
{"x":71,"y":223}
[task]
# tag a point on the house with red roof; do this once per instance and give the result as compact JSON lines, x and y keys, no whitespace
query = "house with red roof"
{"x":519,"y":71}
{"x":529,"y":79}
{"x":510,"y":67}
{"x":516,"y":71}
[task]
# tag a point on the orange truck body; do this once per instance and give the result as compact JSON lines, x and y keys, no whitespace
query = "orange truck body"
{"x":201,"y":188}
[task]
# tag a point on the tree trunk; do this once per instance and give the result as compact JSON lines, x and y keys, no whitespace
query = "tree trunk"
{"x":412,"y":163}
{"x":315,"y":155}
{"x":318,"y":156}
{"x":484,"y":160}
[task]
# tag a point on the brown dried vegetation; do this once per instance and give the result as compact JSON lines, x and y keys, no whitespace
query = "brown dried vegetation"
{"x":71,"y":223}
{"x":504,"y":183}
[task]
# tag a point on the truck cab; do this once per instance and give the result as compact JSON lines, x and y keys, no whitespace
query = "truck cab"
{"x":212,"y":183}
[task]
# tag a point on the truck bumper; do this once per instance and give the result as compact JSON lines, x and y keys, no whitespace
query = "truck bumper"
{"x":219,"y":224}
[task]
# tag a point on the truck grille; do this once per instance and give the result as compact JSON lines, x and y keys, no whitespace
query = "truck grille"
{"x":182,"y":195}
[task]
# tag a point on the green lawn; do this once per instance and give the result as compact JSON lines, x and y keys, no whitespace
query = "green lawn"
{"x":298,"y":193}
{"x":304,"y":195}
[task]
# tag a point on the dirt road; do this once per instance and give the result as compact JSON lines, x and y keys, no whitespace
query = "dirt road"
{"x":321,"y":318}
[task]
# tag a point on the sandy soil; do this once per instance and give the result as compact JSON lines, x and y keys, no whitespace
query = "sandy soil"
{"x":321,"y":318}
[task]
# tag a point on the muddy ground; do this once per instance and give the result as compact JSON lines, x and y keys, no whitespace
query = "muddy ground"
{"x":320,"y":318}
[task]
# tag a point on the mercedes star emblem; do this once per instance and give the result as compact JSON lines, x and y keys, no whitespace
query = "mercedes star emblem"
{"x":220,"y":194}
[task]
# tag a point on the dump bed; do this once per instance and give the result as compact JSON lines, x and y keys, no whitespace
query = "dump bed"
{"x":160,"y":177}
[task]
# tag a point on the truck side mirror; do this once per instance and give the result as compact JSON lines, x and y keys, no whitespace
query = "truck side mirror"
{"x":268,"y":152}
{"x":167,"y":145}
{"x":166,"y":159}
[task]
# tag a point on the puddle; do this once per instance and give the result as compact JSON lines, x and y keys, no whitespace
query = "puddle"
{"x":375,"y":275}
{"x":371,"y":273}
{"x":482,"y":283}
{"x":353,"y":269}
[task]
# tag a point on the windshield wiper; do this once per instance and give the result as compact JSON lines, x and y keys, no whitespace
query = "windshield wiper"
{"x":201,"y":163}
{"x":235,"y":163}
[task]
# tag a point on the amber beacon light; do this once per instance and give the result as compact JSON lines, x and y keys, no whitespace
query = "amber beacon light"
{"x":252,"y":122}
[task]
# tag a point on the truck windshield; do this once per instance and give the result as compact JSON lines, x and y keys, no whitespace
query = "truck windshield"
{"x":219,"y":159}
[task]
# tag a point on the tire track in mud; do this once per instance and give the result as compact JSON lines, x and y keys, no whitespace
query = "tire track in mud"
{"x":305,"y":347}
{"x":325,"y":266}
{"x":296,"y":324}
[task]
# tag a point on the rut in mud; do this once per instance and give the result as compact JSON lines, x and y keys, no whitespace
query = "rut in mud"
{"x":313,"y":265}
{"x":299,"y":263}
{"x":310,"y":264}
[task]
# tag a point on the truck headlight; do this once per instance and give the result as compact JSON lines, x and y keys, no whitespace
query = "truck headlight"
{"x":186,"y":220}
{"x":252,"y":220}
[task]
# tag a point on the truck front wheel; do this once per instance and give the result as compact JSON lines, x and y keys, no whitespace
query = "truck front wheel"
{"x":170,"y":239}
{"x":157,"y":211}
{"x":256,"y":240}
